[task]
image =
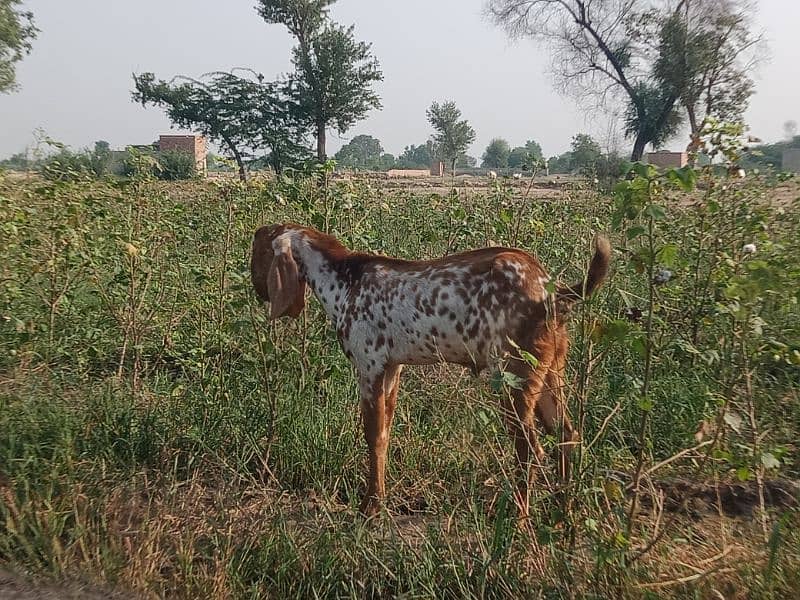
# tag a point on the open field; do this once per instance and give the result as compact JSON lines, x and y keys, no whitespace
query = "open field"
{"x":160,"y":437}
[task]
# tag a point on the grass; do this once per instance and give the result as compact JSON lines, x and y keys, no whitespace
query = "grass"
{"x":158,"y":434}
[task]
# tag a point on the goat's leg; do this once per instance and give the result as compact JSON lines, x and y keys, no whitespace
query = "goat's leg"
{"x":391,"y":385}
{"x":519,"y":411}
{"x":373,"y":411}
{"x":552,"y":414}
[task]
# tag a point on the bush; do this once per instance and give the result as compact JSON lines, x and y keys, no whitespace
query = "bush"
{"x":176,"y":165}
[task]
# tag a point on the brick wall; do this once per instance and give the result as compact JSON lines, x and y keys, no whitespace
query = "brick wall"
{"x":192,"y":144}
{"x":668,"y":160}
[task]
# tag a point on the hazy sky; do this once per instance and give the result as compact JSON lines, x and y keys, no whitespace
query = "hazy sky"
{"x":76,"y":84}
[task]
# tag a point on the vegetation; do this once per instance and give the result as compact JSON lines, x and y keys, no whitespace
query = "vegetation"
{"x":241,"y":112}
{"x":496,"y":154}
{"x":17,"y":33}
{"x":334,"y":73}
{"x":452,"y":134}
{"x":158,"y":433}
{"x":656,"y":58}
{"x":364,"y":152}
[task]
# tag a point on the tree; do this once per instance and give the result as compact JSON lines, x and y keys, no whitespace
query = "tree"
{"x":334,"y":73}
{"x":243,"y":114}
{"x":718,"y":46}
{"x":466,"y":162}
{"x":362,"y":152}
{"x":585,"y":152}
{"x":453,"y":135}
{"x":524,"y":157}
{"x":633,"y":47}
{"x":17,"y":31}
{"x":418,"y":156}
{"x":496,"y":154}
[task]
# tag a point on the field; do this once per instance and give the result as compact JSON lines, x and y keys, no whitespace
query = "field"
{"x":160,"y":437}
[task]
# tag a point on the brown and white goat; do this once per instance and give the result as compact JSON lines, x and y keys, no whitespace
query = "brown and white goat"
{"x":474,"y":309}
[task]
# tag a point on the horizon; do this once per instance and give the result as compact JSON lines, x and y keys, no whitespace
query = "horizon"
{"x":457,"y":55}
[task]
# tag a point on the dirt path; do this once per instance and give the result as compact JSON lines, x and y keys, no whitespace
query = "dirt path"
{"x":16,"y":587}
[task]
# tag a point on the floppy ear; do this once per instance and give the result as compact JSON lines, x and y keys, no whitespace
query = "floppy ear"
{"x":287,"y":292}
{"x":260,"y":260}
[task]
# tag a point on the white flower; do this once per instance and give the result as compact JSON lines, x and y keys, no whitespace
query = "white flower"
{"x":749,"y":248}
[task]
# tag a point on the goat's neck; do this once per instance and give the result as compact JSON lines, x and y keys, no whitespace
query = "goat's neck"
{"x":317,"y":265}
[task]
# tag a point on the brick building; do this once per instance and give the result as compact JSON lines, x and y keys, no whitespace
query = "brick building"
{"x":664,"y":159}
{"x":192,"y":144}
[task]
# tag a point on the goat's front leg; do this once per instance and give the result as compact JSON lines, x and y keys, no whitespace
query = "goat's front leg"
{"x":376,"y":433}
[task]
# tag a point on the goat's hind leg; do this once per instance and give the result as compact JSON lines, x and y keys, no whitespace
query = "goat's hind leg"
{"x":376,"y":434}
{"x":551,"y":411}
{"x":519,"y":412}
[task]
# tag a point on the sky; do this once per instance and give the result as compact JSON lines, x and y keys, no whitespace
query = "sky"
{"x":76,"y":84}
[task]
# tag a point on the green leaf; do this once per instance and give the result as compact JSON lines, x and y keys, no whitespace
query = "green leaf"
{"x":655,"y":212}
{"x":634,"y":232}
{"x":743,"y":474}
{"x":667,"y":255}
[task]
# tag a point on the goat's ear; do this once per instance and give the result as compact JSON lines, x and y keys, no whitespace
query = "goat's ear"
{"x":287,"y":292}
{"x":260,"y":260}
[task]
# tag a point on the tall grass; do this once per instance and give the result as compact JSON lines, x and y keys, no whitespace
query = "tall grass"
{"x":159,"y":434}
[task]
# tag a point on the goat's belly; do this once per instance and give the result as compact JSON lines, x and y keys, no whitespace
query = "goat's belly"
{"x":431,"y":350}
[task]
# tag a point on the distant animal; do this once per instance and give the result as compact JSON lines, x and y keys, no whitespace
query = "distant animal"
{"x":487,"y":307}
{"x":517,"y":176}
{"x":492,"y":175}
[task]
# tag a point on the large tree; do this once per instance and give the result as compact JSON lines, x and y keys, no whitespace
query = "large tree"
{"x":243,"y":114}
{"x":496,"y":154}
{"x":453,"y":135}
{"x":585,"y":152}
{"x":17,"y":31}
{"x":362,"y":152}
{"x":422,"y":155}
{"x":720,"y":51}
{"x":617,"y":46}
{"x":524,"y":157}
{"x":334,"y":72}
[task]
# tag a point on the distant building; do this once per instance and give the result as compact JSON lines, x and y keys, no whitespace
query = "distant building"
{"x":791,"y":160}
{"x":664,"y":159}
{"x":192,"y":144}
{"x":437,"y":168}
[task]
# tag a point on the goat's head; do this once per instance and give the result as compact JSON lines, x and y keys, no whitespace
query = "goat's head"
{"x":274,"y":272}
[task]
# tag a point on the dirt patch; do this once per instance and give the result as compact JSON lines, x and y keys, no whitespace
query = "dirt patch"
{"x":737,"y":499}
{"x":16,"y":587}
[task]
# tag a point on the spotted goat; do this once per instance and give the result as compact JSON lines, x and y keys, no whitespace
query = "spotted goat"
{"x":478,"y":309}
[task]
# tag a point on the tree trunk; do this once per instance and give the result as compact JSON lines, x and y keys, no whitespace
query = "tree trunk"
{"x":638,"y":147}
{"x":694,"y":133}
{"x":454,"y":167}
{"x":321,"y":155}
{"x":238,"y":158}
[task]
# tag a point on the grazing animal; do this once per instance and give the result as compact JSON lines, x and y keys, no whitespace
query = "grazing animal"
{"x":492,"y":175}
{"x":477,"y":309}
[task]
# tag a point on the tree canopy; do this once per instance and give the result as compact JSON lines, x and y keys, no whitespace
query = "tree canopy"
{"x":496,"y":154}
{"x":656,"y":56}
{"x":453,"y":135}
{"x":333,"y":73}
{"x":17,"y":32}
{"x":244,"y":114}
{"x":362,"y":152}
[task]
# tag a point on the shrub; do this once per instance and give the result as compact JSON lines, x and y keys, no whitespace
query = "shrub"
{"x":176,"y":165}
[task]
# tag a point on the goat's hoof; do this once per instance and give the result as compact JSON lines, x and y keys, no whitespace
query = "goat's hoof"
{"x":370,"y":507}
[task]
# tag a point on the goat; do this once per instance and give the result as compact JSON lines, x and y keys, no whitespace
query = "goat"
{"x":492,"y":174}
{"x":476,"y":309}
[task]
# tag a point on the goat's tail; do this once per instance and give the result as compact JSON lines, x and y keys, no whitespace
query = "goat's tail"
{"x":598,"y":269}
